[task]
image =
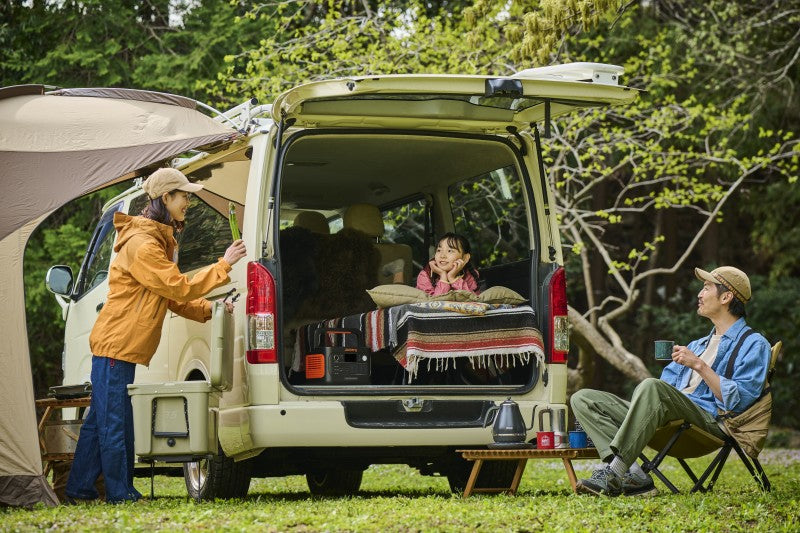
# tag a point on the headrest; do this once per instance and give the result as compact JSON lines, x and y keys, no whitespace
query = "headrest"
{"x":313,"y":221}
{"x":365,"y":218}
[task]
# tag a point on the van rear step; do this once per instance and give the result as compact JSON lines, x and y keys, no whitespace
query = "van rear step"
{"x":402,"y":414}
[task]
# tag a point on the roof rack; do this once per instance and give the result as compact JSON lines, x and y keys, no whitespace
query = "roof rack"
{"x":601,"y":73}
{"x":239,"y":116}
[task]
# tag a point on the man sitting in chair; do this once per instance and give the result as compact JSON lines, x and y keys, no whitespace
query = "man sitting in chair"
{"x":691,"y":388}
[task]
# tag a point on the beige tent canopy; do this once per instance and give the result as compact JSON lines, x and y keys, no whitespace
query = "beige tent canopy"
{"x":55,"y":147}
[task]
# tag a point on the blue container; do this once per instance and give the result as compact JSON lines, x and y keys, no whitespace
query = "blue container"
{"x":577,"y":439}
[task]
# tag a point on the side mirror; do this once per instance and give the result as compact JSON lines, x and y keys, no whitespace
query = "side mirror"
{"x":59,"y":280}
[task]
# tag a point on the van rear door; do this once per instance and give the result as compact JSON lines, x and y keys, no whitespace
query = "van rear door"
{"x":482,"y":104}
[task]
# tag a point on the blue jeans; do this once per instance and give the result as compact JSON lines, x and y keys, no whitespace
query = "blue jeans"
{"x":105,"y":444}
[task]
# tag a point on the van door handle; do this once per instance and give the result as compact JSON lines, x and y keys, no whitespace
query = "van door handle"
{"x":100,"y":306}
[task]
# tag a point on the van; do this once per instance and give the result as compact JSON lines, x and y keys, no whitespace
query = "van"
{"x":332,"y":184}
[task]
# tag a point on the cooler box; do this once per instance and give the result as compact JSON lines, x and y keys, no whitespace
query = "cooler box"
{"x":174,"y":421}
{"x":177,"y":421}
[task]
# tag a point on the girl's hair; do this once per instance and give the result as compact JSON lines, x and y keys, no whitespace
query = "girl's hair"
{"x":456,"y":240}
{"x":157,"y":211}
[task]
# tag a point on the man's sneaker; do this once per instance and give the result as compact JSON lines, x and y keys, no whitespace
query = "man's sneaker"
{"x":638,"y":485}
{"x":604,"y":482}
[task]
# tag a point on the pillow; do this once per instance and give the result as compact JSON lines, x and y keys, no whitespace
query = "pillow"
{"x":501,"y":295}
{"x":397,"y":294}
{"x":455,"y":296}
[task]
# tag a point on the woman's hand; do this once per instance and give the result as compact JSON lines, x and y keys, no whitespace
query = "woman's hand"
{"x":235,"y":252}
{"x":229,"y":306}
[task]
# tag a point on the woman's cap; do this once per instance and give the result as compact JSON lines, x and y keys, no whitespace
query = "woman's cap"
{"x":166,"y":180}
{"x":731,"y":278}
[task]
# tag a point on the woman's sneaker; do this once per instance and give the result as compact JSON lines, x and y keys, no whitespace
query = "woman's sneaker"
{"x":638,"y":485}
{"x":604,"y":482}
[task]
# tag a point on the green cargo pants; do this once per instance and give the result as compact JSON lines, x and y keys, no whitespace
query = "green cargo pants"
{"x":619,"y":427}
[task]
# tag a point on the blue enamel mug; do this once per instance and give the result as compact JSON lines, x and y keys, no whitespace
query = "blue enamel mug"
{"x":577,"y":439}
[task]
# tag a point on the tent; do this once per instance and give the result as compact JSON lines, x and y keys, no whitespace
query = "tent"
{"x":54,"y":147}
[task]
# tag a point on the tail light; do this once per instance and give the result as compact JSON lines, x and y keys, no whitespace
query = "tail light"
{"x":261,"y":315}
{"x":559,"y":322}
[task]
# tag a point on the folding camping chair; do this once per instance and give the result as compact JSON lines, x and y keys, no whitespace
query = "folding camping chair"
{"x":682,"y":440}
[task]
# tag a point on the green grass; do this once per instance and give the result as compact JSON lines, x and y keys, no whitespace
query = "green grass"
{"x":397,"y":498}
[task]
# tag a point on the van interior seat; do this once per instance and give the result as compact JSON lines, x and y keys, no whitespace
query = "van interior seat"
{"x":313,"y":221}
{"x":367,"y":219}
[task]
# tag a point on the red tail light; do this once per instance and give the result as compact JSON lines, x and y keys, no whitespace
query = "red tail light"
{"x":261,"y":315}
{"x":559,"y":322}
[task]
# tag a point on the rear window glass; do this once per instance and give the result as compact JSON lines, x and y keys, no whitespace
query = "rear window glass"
{"x":205,"y":237}
{"x":406,"y":224}
{"x":489,"y":210}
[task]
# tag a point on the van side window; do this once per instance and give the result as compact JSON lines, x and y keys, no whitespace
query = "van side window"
{"x":205,"y":238}
{"x":98,"y":256}
{"x":489,"y":210}
{"x":406,"y":224}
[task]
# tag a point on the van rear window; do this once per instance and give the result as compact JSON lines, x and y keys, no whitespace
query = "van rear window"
{"x":489,"y":210}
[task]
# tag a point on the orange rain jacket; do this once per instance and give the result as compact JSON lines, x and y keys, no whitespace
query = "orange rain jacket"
{"x":143,"y":282}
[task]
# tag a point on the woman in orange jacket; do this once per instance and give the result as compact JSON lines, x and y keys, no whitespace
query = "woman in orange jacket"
{"x":143,"y":283}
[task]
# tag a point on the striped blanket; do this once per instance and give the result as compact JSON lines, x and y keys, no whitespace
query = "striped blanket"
{"x":437,"y":332}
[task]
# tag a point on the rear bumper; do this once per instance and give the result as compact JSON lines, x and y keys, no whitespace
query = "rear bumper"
{"x":246,"y":431}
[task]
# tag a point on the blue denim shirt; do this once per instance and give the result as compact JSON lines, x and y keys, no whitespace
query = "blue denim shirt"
{"x":749,"y":371}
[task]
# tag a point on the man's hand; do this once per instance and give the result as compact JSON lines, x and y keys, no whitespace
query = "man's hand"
{"x":684,"y":356}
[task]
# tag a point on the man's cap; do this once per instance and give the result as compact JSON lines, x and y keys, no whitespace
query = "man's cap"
{"x":730,"y":277}
{"x":166,"y":180}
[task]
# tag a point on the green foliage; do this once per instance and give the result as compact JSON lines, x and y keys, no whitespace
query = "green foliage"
{"x":397,"y":498}
{"x":172,"y":46}
{"x":61,"y":239}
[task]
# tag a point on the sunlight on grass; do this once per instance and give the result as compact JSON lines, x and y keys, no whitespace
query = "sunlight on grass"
{"x":398,"y":498}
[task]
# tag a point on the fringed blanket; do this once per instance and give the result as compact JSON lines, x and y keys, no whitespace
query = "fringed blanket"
{"x":438,"y":332}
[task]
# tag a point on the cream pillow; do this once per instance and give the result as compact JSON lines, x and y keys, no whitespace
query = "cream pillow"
{"x":455,"y":296}
{"x":389,"y":295}
{"x":501,"y":295}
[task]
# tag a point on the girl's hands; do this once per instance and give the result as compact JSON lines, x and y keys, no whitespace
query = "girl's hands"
{"x":455,"y":272}
{"x":436,"y":270}
{"x":235,"y":252}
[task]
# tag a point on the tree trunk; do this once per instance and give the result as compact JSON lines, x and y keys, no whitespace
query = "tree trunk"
{"x":624,"y":361}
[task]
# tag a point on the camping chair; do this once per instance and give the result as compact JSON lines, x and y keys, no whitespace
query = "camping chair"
{"x":682,"y":440}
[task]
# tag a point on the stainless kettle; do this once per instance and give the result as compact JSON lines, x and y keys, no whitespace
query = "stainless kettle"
{"x":509,"y":426}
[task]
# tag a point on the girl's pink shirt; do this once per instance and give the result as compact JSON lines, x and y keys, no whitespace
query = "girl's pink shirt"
{"x":466,"y":282}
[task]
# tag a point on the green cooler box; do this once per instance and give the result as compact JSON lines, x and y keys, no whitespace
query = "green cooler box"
{"x":174,"y":421}
{"x":177,"y":421}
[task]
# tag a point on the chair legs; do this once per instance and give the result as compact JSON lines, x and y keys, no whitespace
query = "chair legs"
{"x":714,"y":468}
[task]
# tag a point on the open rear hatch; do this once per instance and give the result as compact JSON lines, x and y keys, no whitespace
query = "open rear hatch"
{"x":456,"y":103}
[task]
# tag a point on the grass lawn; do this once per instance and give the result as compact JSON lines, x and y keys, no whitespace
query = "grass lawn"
{"x":397,"y":498}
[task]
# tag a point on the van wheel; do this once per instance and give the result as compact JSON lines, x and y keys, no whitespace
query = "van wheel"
{"x":493,"y":474}
{"x":334,"y":482}
{"x":218,"y":477}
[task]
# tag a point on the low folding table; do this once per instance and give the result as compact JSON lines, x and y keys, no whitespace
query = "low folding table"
{"x":521,"y":456}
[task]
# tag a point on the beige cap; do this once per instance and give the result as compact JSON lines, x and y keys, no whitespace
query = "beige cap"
{"x":732,"y":278}
{"x":166,"y":180}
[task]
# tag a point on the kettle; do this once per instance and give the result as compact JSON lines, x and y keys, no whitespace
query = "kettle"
{"x":509,"y":426}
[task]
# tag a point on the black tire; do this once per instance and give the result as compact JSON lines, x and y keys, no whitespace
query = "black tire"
{"x":218,"y":477}
{"x":493,"y":474}
{"x":334,"y":482}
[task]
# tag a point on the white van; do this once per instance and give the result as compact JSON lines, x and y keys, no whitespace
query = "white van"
{"x":330,"y":184}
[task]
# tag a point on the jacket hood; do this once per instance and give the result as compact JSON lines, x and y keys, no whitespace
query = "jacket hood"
{"x":127,"y":226}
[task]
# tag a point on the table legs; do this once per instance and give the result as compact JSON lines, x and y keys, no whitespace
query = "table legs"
{"x":512,"y":488}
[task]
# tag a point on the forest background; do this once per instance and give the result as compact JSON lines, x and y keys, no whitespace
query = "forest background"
{"x":701,"y":171}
